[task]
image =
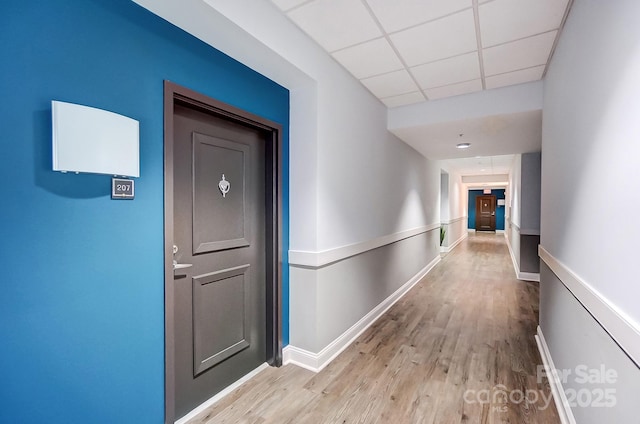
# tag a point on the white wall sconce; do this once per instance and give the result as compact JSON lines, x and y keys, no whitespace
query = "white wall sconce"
{"x":86,"y":139}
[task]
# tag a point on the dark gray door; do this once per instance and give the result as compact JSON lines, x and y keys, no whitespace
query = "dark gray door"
{"x":219,"y":228}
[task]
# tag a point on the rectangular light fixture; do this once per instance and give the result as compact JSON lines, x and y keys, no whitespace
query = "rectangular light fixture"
{"x":86,"y":139}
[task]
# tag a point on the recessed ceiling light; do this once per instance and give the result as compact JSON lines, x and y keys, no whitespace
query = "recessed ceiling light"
{"x":463,"y":145}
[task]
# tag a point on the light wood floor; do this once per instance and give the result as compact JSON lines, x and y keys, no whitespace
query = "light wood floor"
{"x":466,"y":331}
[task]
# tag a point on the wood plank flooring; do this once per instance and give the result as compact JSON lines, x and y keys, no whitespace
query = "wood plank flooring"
{"x":458,"y":348}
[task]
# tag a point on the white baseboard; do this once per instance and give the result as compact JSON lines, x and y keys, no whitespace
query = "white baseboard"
{"x":528,"y":276}
{"x":447,"y":249}
{"x":472,"y":230}
{"x":525,"y":276}
{"x":287,"y":354}
{"x":302,"y":358}
{"x":221,"y":394}
{"x":559,"y":396}
{"x":317,"y":361}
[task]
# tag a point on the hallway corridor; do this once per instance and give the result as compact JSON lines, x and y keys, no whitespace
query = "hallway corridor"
{"x":458,"y":348}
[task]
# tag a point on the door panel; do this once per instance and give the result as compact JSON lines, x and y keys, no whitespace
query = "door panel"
{"x":212,"y":157}
{"x":486,"y":213}
{"x":221,"y":296}
{"x":219,"y":227}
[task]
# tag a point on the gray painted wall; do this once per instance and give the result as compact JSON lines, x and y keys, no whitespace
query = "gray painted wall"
{"x":576,"y":339}
{"x":530,"y":192}
{"x":444,"y":197}
{"x":589,"y":145}
{"x":523,"y":232}
{"x":331,"y":299}
{"x":529,"y":260}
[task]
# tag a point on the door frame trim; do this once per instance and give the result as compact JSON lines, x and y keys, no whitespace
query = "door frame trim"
{"x":273,"y":224}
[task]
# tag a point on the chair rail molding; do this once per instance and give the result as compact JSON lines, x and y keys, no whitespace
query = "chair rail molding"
{"x":622,"y":328}
{"x":307,"y":259}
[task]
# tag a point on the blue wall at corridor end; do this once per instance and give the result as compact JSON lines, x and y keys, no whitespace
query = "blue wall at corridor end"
{"x":82,"y":303}
{"x":500,"y":210}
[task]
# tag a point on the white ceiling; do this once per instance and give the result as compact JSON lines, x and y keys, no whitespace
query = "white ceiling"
{"x":485,"y":165}
{"x":489,"y":136}
{"x":410,"y":51}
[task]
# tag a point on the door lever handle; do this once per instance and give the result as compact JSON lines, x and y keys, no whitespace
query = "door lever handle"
{"x":176,"y":265}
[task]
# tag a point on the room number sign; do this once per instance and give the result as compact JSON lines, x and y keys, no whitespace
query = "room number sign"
{"x":122,"y":189}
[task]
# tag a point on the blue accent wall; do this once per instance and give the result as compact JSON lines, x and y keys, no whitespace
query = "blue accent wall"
{"x":500,"y":210}
{"x":82,"y":292}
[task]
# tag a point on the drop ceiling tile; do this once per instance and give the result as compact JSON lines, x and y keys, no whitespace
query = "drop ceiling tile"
{"x":448,"y":71}
{"x":404,"y":99}
{"x":288,"y":4}
{"x":400,"y":14}
{"x":336,"y":24}
{"x":440,"y":39}
{"x":454,"y":89}
{"x":371,"y":58}
{"x":517,"y":77}
{"x":391,"y":84}
{"x":502,"y":21}
{"x":521,"y":54}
